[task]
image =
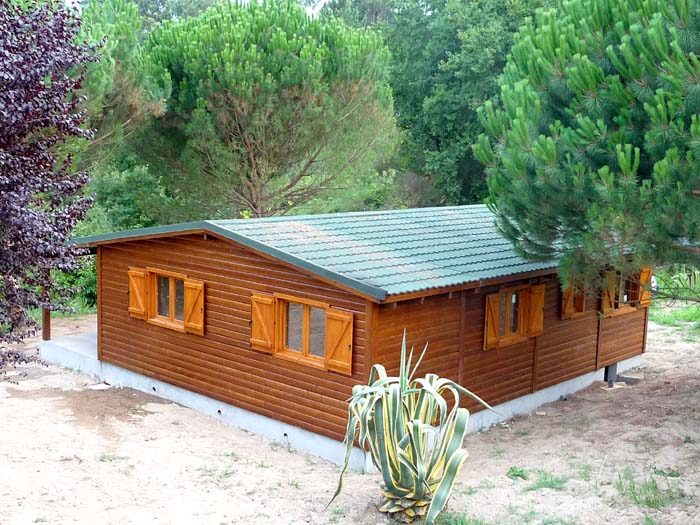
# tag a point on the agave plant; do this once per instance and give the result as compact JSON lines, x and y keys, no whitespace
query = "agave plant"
{"x":413,"y":427}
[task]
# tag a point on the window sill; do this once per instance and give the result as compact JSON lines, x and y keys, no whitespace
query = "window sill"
{"x":574,"y":315}
{"x":508,"y":341}
{"x":624,"y":310}
{"x":167,"y":323}
{"x":296,"y":357}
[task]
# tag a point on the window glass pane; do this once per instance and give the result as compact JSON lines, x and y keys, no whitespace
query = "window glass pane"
{"x":504,"y":305}
{"x":318,"y":332}
{"x":514,"y":312}
{"x":621,"y":294}
{"x":292,"y":337}
{"x":179,"y":299}
{"x":579,"y":302}
{"x":164,"y":296}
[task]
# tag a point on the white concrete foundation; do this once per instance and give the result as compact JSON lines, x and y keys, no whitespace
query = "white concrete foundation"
{"x":79,"y":352}
{"x":528,"y":404}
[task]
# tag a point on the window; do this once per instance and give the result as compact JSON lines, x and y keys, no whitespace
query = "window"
{"x":170,"y":295}
{"x":626,"y":293}
{"x":167,"y":299}
{"x":573,"y":303}
{"x":513,"y":315}
{"x":309,"y":332}
{"x":304,"y":330}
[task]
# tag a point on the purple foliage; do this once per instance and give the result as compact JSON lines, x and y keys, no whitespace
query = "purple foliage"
{"x":41,"y":199}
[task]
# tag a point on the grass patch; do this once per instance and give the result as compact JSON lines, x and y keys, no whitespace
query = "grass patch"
{"x":547,"y":480}
{"x":518,"y":515}
{"x":666,"y":473}
{"x":517,"y":472}
{"x":77,"y":307}
{"x":585,"y":472}
{"x":648,"y":493}
{"x":459,"y":519}
{"x":686,"y":317}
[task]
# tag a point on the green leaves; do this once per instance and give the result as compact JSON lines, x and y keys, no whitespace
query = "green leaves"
{"x":268,"y":110}
{"x":447,"y":56}
{"x":592,"y":131}
{"x":413,"y":428}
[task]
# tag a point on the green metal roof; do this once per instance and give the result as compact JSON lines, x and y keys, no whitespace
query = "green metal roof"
{"x":378,"y":253}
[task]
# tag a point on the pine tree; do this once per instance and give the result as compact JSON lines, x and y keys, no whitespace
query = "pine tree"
{"x":593,"y":151}
{"x":268,"y":109}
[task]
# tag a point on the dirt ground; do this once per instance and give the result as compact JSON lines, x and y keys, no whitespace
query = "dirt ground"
{"x":74,"y":454}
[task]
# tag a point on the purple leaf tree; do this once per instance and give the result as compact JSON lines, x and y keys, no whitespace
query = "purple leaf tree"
{"x":41,"y":198}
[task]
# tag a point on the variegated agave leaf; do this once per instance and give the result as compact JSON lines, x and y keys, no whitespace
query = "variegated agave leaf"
{"x":413,"y":437}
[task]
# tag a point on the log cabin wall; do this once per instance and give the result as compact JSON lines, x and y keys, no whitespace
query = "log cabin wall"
{"x":453,"y":325}
{"x":622,"y":337}
{"x":221,"y":364}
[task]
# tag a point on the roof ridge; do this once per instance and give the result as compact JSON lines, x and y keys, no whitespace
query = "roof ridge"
{"x":361,"y":213}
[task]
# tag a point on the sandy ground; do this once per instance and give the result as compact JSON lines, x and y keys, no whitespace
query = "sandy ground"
{"x":73,"y":454}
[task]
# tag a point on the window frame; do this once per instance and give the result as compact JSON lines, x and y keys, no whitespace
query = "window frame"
{"x":623,"y":284}
{"x":153,"y":316}
{"x":520,"y":335}
{"x":281,"y":321}
{"x":579,"y":301}
{"x":510,"y":338}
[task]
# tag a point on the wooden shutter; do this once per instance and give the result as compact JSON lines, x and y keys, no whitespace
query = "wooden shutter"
{"x":194,"y":306}
{"x":137,"y":293}
{"x":645,"y":286}
{"x":608,"y":296}
{"x":262,"y":319}
{"x":536,"y":309}
{"x":568,"y":307}
{"x":339,"y":341}
{"x":493,"y":312}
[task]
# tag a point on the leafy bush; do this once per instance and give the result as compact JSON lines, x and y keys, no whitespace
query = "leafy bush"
{"x":414,"y":438}
{"x":82,"y":282}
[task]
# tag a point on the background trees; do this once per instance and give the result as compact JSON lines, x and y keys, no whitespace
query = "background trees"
{"x":164,"y":108}
{"x":268,"y":108}
{"x":446,"y":59}
{"x":592,"y":152}
{"x":40,"y":197}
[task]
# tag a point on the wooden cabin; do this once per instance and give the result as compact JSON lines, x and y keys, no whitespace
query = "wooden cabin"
{"x":282,"y":316}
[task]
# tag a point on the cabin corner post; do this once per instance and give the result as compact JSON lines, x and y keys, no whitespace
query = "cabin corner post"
{"x":98,"y":272}
{"x":646,"y":328}
{"x":372,"y":317}
{"x":462,"y":323}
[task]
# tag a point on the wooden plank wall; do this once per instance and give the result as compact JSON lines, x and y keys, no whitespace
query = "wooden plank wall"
{"x":221,"y":364}
{"x":566,"y":349}
{"x":621,"y":337}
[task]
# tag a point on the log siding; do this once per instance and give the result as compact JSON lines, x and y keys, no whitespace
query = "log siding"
{"x":453,"y":324}
{"x":221,"y":363}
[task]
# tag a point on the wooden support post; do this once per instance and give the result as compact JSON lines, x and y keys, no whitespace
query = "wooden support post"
{"x":45,"y":312}
{"x":46,"y":324}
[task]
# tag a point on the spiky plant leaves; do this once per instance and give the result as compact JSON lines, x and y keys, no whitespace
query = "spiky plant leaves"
{"x":413,"y":437}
